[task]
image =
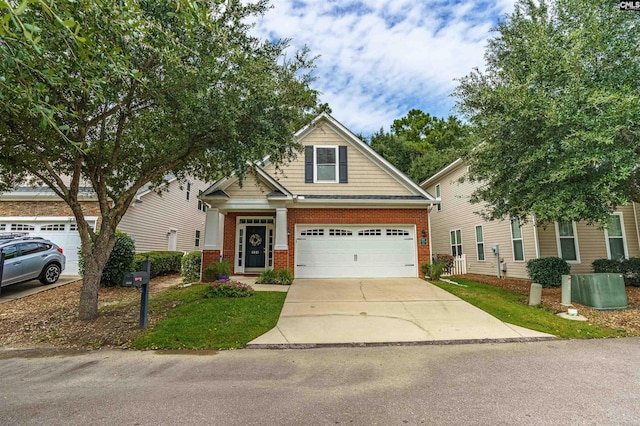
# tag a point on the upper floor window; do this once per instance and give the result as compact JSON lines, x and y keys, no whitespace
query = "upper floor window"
{"x":517,"y":241}
{"x":616,"y":240}
{"x":567,"y":241}
{"x":439,"y":207}
{"x":326,"y":167}
{"x":188,"y":190}
{"x":197,"y":240}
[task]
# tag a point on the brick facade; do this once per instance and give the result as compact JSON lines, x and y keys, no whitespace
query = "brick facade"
{"x":345,"y":216}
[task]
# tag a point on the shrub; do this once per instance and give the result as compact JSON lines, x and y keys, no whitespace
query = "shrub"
{"x":275,"y":276}
{"x":436,"y":269}
{"x":426,"y":269}
{"x":548,"y":271}
{"x":606,"y":265}
{"x":215,"y":270}
{"x":447,"y":261}
{"x":119,"y":263}
{"x":162,"y":262}
{"x":190,"y":268}
{"x":228,"y":288}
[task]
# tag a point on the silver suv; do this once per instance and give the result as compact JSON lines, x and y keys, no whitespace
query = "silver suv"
{"x":30,"y":258}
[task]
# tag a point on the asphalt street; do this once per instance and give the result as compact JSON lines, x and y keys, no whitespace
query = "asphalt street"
{"x":591,"y":382}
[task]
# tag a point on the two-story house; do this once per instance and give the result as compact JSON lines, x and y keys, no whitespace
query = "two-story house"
{"x":337,"y":210}
{"x":457,"y":229}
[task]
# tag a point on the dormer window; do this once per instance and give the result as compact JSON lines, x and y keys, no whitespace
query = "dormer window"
{"x":326,"y":163}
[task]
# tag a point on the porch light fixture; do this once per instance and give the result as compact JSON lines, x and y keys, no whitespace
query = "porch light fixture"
{"x":424,"y":232}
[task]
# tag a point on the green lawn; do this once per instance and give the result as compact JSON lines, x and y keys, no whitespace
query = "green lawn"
{"x":512,"y":307}
{"x":220,"y":323}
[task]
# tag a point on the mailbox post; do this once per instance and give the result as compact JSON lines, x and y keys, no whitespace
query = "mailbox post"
{"x":140,"y":280}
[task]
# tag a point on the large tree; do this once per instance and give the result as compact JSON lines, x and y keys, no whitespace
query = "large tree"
{"x":557,"y":112}
{"x":140,"y":90}
{"x":420,"y":144}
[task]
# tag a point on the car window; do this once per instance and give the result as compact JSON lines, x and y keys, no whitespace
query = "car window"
{"x":10,"y":252}
{"x":31,"y":248}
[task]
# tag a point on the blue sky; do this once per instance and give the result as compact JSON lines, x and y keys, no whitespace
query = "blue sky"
{"x":381,"y":58}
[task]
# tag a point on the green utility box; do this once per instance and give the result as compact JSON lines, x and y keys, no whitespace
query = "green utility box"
{"x":599,"y":291}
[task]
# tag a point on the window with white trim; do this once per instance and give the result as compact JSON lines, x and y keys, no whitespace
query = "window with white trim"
{"x":312,"y":232}
{"x":439,"y":208}
{"x":456,"y":242}
{"x":325,"y":163}
{"x":614,"y":233}
{"x":3,"y":226}
{"x":197,"y":240}
{"x":370,"y":232}
{"x":201,"y":206}
{"x":188,"y":190}
{"x":516,"y":240}
{"x":567,"y":241}
{"x":480,"y":243}
{"x":397,"y":232}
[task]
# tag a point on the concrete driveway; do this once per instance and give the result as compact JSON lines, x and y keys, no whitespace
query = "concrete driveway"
{"x":329,"y":312}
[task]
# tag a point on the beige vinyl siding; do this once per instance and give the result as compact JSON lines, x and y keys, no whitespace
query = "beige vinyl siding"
{"x":458,"y":213}
{"x":251,"y":189}
{"x":150,"y":220}
{"x":365,"y":177}
{"x":591,"y":241}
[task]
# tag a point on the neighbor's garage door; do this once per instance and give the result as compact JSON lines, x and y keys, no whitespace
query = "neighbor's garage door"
{"x":334,"y":251}
{"x":64,"y":234}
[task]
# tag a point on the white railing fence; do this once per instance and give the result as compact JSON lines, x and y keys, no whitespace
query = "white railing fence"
{"x":459,"y":266}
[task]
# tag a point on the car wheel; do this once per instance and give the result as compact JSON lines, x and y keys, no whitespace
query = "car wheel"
{"x":50,"y":274}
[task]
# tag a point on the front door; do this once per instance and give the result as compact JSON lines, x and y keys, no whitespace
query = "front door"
{"x":255,"y":257}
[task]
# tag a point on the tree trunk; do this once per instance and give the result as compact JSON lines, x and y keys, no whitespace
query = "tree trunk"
{"x":95,"y":258}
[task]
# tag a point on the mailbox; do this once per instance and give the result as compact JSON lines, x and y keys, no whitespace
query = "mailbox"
{"x":136,"y":279}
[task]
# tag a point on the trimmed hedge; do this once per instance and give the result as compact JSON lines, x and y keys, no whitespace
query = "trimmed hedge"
{"x":275,"y":276}
{"x":629,"y":268}
{"x":191,"y":263}
{"x":548,"y":271}
{"x":120,"y":261}
{"x":162,"y":262}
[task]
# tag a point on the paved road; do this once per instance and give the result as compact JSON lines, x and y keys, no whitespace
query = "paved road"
{"x":594,"y":382}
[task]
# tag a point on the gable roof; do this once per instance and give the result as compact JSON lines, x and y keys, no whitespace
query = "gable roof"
{"x":278,"y":190}
{"x":366,"y":150}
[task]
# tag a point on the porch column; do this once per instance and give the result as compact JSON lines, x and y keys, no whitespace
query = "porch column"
{"x":213,"y":229}
{"x":282,"y":242}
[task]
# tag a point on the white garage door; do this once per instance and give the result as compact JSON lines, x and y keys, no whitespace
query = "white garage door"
{"x":335,"y":251}
{"x":63,"y":233}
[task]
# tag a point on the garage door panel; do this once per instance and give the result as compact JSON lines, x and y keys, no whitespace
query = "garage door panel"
{"x":382,"y":252}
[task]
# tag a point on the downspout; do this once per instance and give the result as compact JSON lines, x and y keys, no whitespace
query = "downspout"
{"x":635,"y":217}
{"x":535,"y":235}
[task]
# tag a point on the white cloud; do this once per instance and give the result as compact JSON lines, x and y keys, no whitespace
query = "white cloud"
{"x":381,"y":58}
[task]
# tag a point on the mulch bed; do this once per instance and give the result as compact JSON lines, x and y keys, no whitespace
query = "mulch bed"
{"x":50,"y":318}
{"x":628,"y":319}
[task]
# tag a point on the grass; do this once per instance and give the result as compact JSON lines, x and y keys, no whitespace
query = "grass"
{"x":512,"y":308}
{"x":219,"y":323}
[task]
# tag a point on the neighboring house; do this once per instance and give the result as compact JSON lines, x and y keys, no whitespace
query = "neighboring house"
{"x":172,"y":220}
{"x":456,"y":229}
{"x":337,"y":210}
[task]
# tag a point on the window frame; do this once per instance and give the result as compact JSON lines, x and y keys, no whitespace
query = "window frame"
{"x":575,"y":243}
{"x":188,"y":192}
{"x":456,"y":232}
{"x":514,"y":239}
{"x":336,"y":170}
{"x":478,"y":243}
{"x":197,"y":238}
{"x":437,"y":191}
{"x":624,"y":237}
